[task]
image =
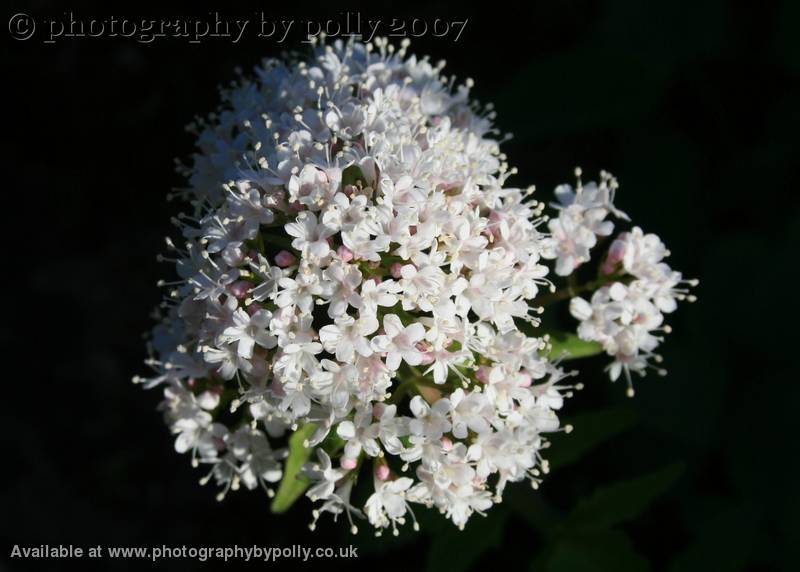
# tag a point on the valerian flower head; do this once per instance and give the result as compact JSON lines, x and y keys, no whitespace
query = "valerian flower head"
{"x":626,"y":315}
{"x":354,"y":266}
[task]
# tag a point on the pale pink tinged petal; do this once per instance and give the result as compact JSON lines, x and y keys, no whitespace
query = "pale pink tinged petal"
{"x":408,"y":271}
{"x":344,"y":253}
{"x":392,"y":325}
{"x":329,"y":334}
{"x":565,"y":266}
{"x":352,"y":449}
{"x":418,"y":406}
{"x":412,"y":357}
{"x":344,"y":351}
{"x":363,"y":347}
{"x":415,"y":332}
{"x":368,"y":324}
{"x":380,"y":343}
{"x":245,"y":348}
{"x":580,"y":309}
{"x":320,"y":248}
{"x":393,"y":360}
{"x":618,"y":291}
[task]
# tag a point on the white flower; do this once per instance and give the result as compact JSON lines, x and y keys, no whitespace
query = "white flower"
{"x":470,"y":412}
{"x":348,"y":335}
{"x":314,"y":187}
{"x":421,"y":287}
{"x":360,"y":434}
{"x":301,"y":290}
{"x":269,"y":276}
{"x":626,"y":320}
{"x":580,"y":221}
{"x":310,"y":236}
{"x":640,"y":252}
{"x":211,"y":282}
{"x":374,"y":294}
{"x":257,"y":462}
{"x":248,"y":330}
{"x":228,"y":359}
{"x":298,"y":357}
{"x":399,"y":342}
{"x":430,"y":422}
{"x":345,"y":279}
{"x":248,"y":206}
{"x":324,"y":475}
{"x":387,"y":505}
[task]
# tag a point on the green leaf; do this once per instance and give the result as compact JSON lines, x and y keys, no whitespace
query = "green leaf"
{"x":589,"y":431}
{"x":570,"y":346}
{"x":623,"y":501}
{"x":294,"y":483}
{"x":596,"y":551}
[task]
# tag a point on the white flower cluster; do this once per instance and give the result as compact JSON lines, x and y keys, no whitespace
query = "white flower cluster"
{"x":626,"y":315}
{"x":580,"y":221}
{"x":354,"y":272}
{"x":354,"y":262}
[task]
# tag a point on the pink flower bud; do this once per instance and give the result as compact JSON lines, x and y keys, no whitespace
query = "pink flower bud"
{"x":378,"y":409}
{"x":524,"y":379}
{"x":348,"y":463}
{"x":239,"y":289}
{"x":447,"y":444}
{"x":382,"y":472}
{"x":616,"y":252}
{"x":253,"y":308}
{"x":395,"y":270}
{"x":285,"y":258}
{"x":482,"y":374}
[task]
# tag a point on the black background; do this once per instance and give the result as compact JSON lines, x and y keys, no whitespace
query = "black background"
{"x":693,"y":106}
